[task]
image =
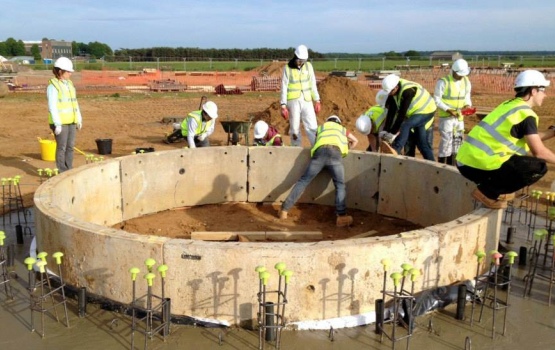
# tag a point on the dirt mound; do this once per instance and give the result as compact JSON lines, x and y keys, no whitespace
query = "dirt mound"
{"x":271,"y":69}
{"x":340,"y":96}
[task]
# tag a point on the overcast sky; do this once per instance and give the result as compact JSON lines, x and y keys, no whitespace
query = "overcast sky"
{"x":352,"y":26}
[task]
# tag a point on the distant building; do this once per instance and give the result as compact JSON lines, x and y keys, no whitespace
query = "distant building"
{"x":54,"y":49}
{"x":23,"y":59}
{"x":445,"y":55}
{"x":51,"y":49}
{"x":29,"y":44}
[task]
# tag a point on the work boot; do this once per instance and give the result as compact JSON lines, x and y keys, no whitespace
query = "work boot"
{"x":488,"y":202}
{"x":387,"y":149}
{"x":344,"y":220}
{"x":282,"y":214}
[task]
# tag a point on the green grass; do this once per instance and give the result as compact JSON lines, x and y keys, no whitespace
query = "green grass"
{"x":323,"y":65}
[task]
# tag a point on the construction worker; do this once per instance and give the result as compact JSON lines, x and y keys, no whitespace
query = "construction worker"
{"x":197,"y":126}
{"x":64,"y":115}
{"x":494,"y":154}
{"x":266,"y":135}
{"x":452,"y":95}
{"x":410,"y":106}
{"x":332,"y":144}
{"x":298,"y":91}
{"x":370,"y":123}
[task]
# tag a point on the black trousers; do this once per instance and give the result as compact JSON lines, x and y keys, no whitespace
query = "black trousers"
{"x":515,"y":174}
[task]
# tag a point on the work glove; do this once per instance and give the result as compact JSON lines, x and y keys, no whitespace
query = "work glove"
{"x":79,"y":125}
{"x":317,"y":107}
{"x":58,"y":130}
{"x":176,"y":126}
{"x":201,"y":137}
{"x":285,"y":112}
{"x":389,"y":138}
{"x":381,"y":134}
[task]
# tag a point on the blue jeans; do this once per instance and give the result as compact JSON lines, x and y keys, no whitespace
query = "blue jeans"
{"x":410,"y":147}
{"x":417,"y":122}
{"x":324,"y":157}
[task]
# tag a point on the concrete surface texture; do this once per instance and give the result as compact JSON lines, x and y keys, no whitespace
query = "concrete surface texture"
{"x":529,"y":323}
{"x":216,"y":281}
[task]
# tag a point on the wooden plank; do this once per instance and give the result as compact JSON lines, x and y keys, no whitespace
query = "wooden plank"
{"x":226,"y":235}
{"x":294,"y":236}
{"x":365,"y":234}
{"x":257,"y":236}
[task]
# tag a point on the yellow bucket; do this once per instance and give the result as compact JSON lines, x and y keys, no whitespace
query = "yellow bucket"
{"x":47,"y":150}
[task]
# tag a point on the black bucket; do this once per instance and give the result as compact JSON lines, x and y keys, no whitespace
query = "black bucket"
{"x":104,"y":146}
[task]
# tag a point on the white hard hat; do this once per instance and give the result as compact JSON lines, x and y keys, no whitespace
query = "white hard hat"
{"x":334,"y":118}
{"x":390,"y":82}
{"x":364,"y":125}
{"x":381,"y":98}
{"x":211,"y":109}
{"x":460,"y":67}
{"x":530,"y":78}
{"x":301,"y":52}
{"x":260,"y":129}
{"x":64,"y":63}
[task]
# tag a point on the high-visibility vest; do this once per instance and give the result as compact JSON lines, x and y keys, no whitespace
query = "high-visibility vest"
{"x":454,"y":95}
{"x":490,"y":144}
{"x":377,"y":116}
{"x":331,"y":133}
{"x":299,"y":82}
{"x":422,"y":103}
{"x":271,"y":141}
{"x":67,"y":103}
{"x":202,"y":127}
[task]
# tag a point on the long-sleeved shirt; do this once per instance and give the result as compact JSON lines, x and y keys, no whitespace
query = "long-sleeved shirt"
{"x":440,"y":88}
{"x":396,"y":116}
{"x":285,"y":83}
{"x":52,"y":97}
{"x":192,"y":129}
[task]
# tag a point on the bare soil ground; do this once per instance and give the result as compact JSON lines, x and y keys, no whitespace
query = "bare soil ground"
{"x":133,"y":120}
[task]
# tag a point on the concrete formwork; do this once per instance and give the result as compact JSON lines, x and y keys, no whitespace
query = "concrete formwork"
{"x":216,"y":280}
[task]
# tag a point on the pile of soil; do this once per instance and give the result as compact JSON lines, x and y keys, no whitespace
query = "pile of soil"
{"x":274,"y":69}
{"x":340,"y":96}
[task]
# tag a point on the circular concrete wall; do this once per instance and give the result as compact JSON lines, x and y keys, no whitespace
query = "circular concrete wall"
{"x":216,"y":281}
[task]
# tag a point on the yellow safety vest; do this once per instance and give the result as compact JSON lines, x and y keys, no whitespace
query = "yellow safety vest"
{"x":377,"y":117}
{"x":271,"y":141}
{"x":202,"y":127}
{"x":490,"y":144}
{"x":331,"y":133}
{"x":299,"y":82}
{"x":67,"y":104}
{"x":453,"y":95}
{"x":422,"y":103}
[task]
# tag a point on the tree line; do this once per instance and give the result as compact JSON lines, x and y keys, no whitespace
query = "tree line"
{"x":12,"y":47}
{"x":218,"y":54}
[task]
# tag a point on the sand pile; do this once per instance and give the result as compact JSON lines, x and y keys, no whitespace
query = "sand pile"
{"x":340,"y":96}
{"x":274,"y":69}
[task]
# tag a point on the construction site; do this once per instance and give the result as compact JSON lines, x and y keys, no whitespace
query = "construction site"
{"x":208,"y":220}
